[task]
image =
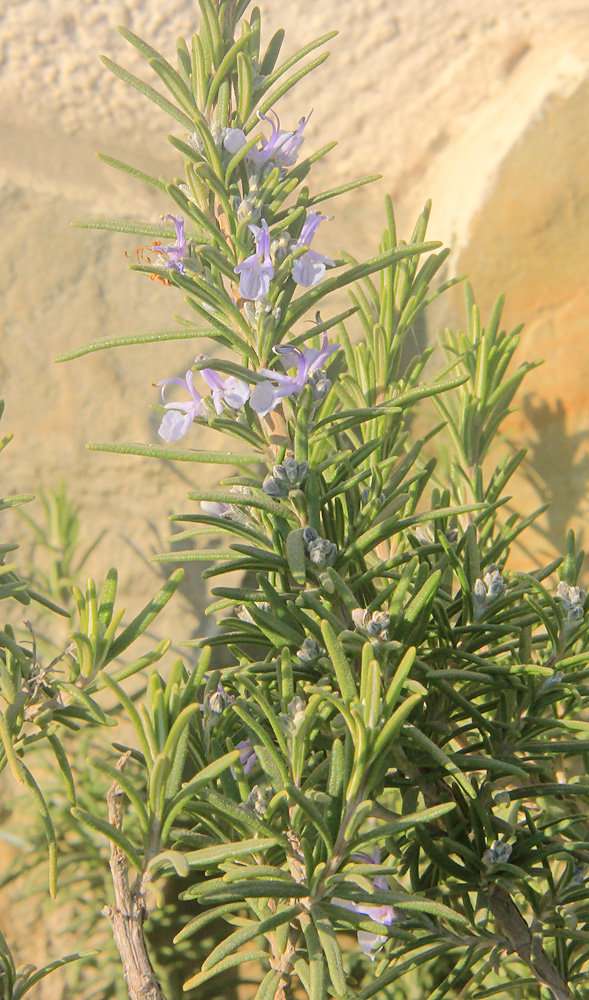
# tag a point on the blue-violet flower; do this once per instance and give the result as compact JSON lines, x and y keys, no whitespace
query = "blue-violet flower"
{"x":384,"y":914}
{"x":266,"y":395}
{"x":178,"y":420}
{"x":282,"y":146}
{"x":230,"y":391}
{"x":176,"y":424}
{"x":309,"y":268}
{"x":175,"y":253}
{"x":257,"y":270}
{"x":247,"y":755}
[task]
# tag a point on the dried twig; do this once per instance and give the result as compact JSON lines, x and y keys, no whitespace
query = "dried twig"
{"x":128,"y":914}
{"x":525,"y":944}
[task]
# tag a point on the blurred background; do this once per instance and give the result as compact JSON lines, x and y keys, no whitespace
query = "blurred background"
{"x":481,"y":106}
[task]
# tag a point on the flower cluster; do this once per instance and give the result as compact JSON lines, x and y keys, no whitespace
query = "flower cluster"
{"x":257,"y":270}
{"x":573,"y":602}
{"x":374,"y":625}
{"x":178,"y":420}
{"x":310,"y":651}
{"x":320,"y":551}
{"x":282,"y":148}
{"x":498,"y":853}
{"x":293,"y":719}
{"x":233,"y":393}
{"x":175,"y":254}
{"x":266,"y":395}
{"x":285,"y":477}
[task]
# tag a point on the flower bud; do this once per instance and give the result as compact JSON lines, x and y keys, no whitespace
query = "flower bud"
{"x":310,"y":651}
{"x":499,"y":853}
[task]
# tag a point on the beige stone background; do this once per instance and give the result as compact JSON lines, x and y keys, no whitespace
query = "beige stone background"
{"x":481,"y":105}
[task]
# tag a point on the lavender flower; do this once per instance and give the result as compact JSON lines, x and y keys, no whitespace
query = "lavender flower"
{"x":215,"y":703}
{"x":247,"y":756}
{"x":257,"y":800}
{"x":309,"y":268}
{"x":230,"y":391}
{"x":175,"y":254}
{"x":217,"y":509}
{"x":176,"y":424}
{"x":257,"y":270}
{"x":383,"y":914}
{"x":266,"y":395}
{"x":296,"y":713}
{"x":487,"y":589}
{"x":178,"y":420}
{"x":498,"y":853}
{"x":282,"y":146}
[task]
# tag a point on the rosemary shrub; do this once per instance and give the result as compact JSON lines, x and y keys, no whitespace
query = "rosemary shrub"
{"x":370,"y":780}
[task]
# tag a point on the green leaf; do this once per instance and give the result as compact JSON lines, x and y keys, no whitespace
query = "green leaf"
{"x":309,"y":299}
{"x":312,"y":813}
{"x":262,"y":888}
{"x":178,"y":455}
{"x":407,"y":822}
{"x":112,"y":833}
{"x":341,"y":666}
{"x":197,"y":923}
{"x":331,"y":950}
{"x":228,"y":963}
{"x":151,"y":337}
{"x":25,"y":983}
{"x":145,"y":617}
{"x":295,"y":553}
{"x":174,"y":858}
{"x":208,"y":856}
{"x":235,"y":941}
{"x":140,"y":175}
{"x":149,"y":92}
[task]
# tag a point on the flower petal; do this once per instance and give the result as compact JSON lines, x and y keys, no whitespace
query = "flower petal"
{"x":234,"y":140}
{"x":175,"y":425}
{"x":265,"y":397}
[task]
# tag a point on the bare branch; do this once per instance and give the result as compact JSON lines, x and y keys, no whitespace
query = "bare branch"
{"x":128,"y":915}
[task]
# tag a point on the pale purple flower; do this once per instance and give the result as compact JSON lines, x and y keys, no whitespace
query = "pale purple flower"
{"x":247,"y":756}
{"x":309,"y":268}
{"x":175,"y":253}
{"x":230,"y":391}
{"x":257,"y":270}
{"x":267,"y":395}
{"x":216,"y":509}
{"x":383,"y":914}
{"x":282,"y":146}
{"x":178,"y":420}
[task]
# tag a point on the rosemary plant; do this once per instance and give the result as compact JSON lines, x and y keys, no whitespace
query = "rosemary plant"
{"x":371,"y":781}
